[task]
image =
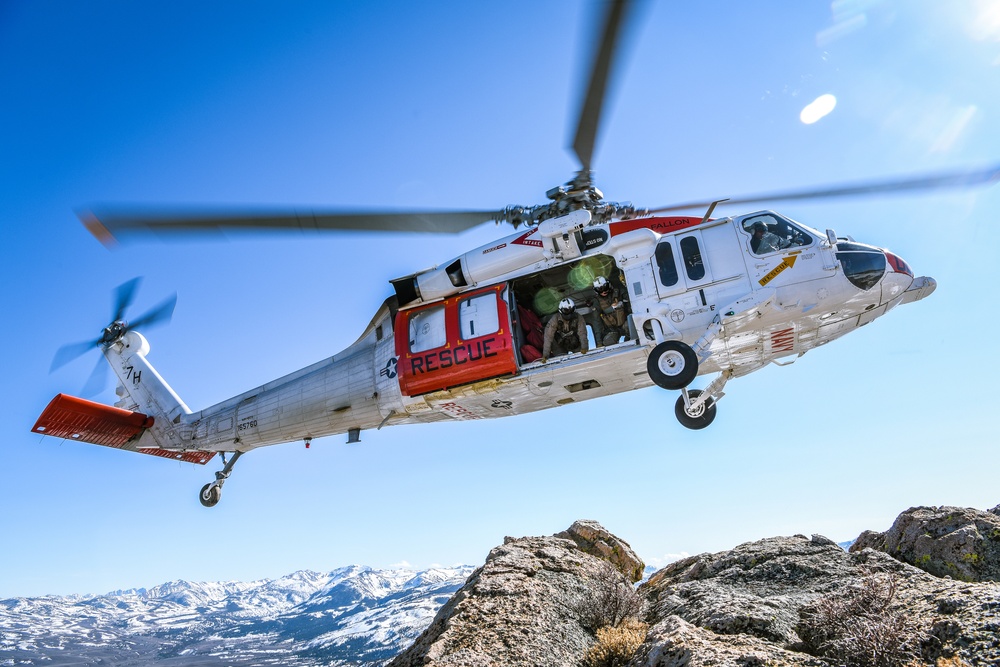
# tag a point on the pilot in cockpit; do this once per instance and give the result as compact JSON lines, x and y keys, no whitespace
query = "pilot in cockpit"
{"x":764,"y":241}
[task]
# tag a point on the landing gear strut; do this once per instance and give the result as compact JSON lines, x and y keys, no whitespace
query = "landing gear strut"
{"x":695,"y":409}
{"x":212,"y":492}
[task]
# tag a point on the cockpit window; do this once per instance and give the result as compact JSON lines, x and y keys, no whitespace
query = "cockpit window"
{"x":863,"y":266}
{"x":770,"y":232}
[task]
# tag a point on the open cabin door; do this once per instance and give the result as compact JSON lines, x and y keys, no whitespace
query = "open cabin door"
{"x":460,"y":340}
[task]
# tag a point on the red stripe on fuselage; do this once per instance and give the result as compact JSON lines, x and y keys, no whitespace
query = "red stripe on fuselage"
{"x":660,"y":225}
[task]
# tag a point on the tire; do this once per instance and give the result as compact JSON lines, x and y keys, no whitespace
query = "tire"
{"x":672,"y":364}
{"x":210,"y":495}
{"x":705,"y":416}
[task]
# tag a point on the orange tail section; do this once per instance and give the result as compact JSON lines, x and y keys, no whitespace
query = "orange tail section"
{"x":79,"y":419}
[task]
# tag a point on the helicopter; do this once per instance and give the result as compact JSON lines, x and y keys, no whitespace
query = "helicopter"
{"x":701,"y":295}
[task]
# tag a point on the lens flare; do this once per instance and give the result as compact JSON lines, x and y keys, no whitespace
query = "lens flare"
{"x":818,"y":108}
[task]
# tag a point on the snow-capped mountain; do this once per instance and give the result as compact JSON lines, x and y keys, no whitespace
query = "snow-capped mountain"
{"x":351,"y":616}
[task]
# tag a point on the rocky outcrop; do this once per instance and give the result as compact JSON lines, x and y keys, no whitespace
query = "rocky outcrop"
{"x":757,"y":588}
{"x":523,"y":606}
{"x":957,"y":542}
{"x":593,"y":539}
{"x":779,"y":601}
{"x":770,"y":591}
{"x":676,"y":643}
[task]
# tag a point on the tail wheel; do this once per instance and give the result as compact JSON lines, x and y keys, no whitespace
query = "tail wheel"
{"x":672,"y":364}
{"x":700,"y":418}
{"x":210,"y":495}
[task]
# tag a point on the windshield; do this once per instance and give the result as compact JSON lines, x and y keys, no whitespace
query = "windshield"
{"x":863,"y":265}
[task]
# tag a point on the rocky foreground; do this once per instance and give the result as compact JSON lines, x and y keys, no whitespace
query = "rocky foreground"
{"x":925,"y":592}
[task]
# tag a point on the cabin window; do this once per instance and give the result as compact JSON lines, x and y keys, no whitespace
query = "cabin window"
{"x":478,"y":316}
{"x":665,"y":262}
{"x":427,"y":329}
{"x":693,"y":263}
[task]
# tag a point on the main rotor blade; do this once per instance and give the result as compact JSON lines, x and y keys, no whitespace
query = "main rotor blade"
{"x":161,"y":313}
{"x":112,"y":223}
{"x":593,"y":100}
{"x":940,"y":181}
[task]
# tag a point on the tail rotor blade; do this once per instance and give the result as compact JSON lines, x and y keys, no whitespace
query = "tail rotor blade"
{"x":68,"y":353}
{"x":123,"y":297}
{"x":161,"y":313}
{"x":98,"y":379}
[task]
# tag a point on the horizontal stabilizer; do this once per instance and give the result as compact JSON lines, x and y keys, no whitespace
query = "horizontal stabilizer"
{"x":79,"y":419}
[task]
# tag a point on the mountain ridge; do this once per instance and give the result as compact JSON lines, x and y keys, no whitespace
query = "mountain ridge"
{"x":354,"y":615}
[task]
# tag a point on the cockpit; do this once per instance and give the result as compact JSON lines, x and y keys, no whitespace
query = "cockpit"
{"x":770,"y":232}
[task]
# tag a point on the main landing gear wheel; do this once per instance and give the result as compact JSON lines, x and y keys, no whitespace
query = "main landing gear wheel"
{"x":210,"y":494}
{"x":672,"y":364}
{"x":702,"y":416}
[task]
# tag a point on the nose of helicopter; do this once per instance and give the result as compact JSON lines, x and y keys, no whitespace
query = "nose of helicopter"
{"x":897,"y":264}
{"x":900,"y":278}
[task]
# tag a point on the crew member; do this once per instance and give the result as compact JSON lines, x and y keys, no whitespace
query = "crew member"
{"x":565,"y":332}
{"x":764,"y":241}
{"x":610,"y":313}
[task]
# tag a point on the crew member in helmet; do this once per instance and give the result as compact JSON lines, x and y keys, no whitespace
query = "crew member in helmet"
{"x":609,"y":313}
{"x":565,"y":332}
{"x":765,"y":241}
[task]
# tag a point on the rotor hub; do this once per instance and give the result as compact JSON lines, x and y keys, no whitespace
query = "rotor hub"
{"x":579,"y":193}
{"x":114,"y":332}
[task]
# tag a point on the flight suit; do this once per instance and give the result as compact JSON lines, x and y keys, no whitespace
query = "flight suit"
{"x":610,"y":318}
{"x":565,"y":335}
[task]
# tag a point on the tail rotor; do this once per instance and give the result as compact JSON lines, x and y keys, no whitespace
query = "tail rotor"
{"x":124,"y":295}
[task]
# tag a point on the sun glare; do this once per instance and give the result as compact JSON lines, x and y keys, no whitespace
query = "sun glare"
{"x":818,"y":108}
{"x":986,"y":26}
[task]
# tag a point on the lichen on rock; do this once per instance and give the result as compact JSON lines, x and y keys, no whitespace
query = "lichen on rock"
{"x":957,"y":542}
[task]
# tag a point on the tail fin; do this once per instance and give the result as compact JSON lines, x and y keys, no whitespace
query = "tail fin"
{"x":141,"y":389}
{"x":139,"y":385}
{"x":146,"y":419}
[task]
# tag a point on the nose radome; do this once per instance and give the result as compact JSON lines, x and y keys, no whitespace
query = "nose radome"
{"x":920,"y":288}
{"x":897,"y":264}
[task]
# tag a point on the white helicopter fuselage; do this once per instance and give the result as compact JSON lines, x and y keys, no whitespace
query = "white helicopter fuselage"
{"x":459,"y":348}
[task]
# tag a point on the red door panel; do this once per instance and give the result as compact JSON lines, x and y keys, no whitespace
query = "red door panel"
{"x":460,"y":340}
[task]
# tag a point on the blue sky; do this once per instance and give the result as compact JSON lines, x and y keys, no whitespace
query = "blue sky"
{"x":469,"y":105}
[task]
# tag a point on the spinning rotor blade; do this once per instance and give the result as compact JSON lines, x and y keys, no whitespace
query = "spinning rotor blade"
{"x":161,"y":313}
{"x":593,"y":100}
{"x":111,"y":224}
{"x":123,"y":297}
{"x":124,"y":294}
{"x":68,"y":353}
{"x":97,"y":380}
{"x":941,"y":181}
